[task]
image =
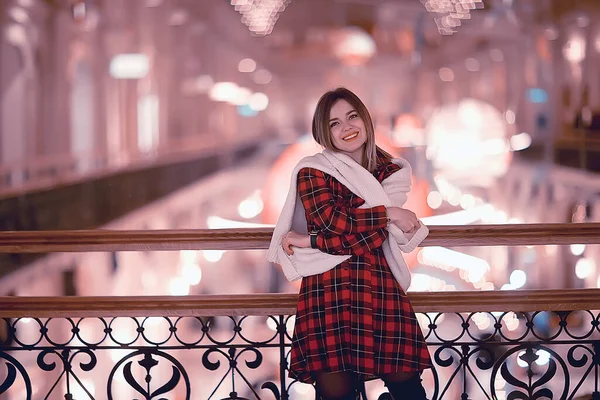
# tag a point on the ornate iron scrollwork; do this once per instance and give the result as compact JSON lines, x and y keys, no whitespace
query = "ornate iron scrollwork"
{"x":476,"y":355}
{"x":150,"y":360}
{"x":13,"y":369}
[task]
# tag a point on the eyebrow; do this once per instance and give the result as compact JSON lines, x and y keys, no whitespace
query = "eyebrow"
{"x":349,"y":112}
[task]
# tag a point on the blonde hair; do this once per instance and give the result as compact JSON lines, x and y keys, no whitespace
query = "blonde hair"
{"x":321,"y":130}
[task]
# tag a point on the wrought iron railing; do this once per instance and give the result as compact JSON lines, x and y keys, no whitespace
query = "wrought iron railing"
{"x":236,"y":347}
{"x":485,"y":345}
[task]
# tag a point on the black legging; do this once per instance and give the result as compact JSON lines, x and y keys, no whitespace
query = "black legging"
{"x":337,"y":386}
{"x":345,"y":386}
{"x":409,"y":389}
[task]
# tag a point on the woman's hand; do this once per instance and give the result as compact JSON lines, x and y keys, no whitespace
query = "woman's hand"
{"x":404,"y":219}
{"x":294,"y":239}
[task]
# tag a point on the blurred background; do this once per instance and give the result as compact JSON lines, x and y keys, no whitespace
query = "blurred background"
{"x":187,"y":114}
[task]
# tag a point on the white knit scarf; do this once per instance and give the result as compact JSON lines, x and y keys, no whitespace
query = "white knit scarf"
{"x":392,"y":191}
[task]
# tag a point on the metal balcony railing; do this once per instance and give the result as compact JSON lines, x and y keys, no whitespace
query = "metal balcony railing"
{"x":527,"y":344}
{"x":47,"y":171}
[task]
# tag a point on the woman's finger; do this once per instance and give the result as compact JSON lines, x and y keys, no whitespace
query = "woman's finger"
{"x":288,"y":248}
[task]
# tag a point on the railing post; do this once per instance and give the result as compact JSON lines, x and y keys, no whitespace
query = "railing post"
{"x":596,"y":361}
{"x":464,"y":361}
{"x":67,"y":369}
{"x":282,"y":358}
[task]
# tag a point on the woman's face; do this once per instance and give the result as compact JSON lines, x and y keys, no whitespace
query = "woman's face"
{"x":347,"y":130}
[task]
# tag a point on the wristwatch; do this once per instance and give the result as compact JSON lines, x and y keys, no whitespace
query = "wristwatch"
{"x":313,"y":239}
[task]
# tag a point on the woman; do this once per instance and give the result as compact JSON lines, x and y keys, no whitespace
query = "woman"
{"x":354,"y":321}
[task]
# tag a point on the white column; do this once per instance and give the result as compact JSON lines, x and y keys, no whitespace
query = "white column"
{"x":18,"y":111}
{"x":594,"y":59}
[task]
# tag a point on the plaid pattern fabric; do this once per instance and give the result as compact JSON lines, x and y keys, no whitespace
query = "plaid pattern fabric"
{"x":355,"y":316}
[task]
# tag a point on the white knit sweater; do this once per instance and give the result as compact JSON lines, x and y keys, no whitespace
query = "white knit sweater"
{"x":392,"y":191}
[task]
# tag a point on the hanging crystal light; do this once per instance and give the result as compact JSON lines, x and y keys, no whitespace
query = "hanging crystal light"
{"x":260,"y":16}
{"x":449,"y":14}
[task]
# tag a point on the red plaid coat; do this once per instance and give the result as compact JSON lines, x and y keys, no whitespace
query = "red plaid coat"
{"x":355,"y":316}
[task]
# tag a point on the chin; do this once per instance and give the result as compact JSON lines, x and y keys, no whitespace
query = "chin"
{"x":351,"y":147}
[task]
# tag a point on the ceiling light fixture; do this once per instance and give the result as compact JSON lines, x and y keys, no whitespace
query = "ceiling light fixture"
{"x":450,"y":13}
{"x":260,"y":16}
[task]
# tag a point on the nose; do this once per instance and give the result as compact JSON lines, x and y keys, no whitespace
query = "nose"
{"x":346,"y":126}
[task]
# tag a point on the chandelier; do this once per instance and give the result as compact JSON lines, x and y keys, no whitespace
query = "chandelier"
{"x":260,"y":16}
{"x":450,"y":13}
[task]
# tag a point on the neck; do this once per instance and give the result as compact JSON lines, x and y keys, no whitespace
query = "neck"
{"x":357,"y":156}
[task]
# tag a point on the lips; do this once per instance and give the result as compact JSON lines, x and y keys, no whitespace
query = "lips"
{"x":350,"y":137}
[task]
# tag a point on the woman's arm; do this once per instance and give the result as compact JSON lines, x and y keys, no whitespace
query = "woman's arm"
{"x":332,"y":218}
{"x":357,"y":244}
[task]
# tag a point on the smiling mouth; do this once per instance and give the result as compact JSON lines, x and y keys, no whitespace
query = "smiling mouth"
{"x":350,"y":137}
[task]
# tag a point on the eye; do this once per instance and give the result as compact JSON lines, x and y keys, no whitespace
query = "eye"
{"x":352,"y":116}
{"x":333,"y":124}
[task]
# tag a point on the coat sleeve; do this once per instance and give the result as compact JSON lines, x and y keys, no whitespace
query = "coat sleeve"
{"x":355,"y":244}
{"x":330,"y":217}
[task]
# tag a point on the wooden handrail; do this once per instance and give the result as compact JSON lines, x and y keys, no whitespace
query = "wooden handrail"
{"x":285,"y":304}
{"x":258,"y":238}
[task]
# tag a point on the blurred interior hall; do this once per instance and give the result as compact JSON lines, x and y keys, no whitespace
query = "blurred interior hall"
{"x":182,"y":115}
